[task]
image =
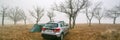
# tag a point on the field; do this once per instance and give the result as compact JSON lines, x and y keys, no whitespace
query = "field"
{"x":80,"y":32}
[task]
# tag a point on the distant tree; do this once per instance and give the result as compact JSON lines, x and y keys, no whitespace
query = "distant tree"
{"x":3,"y":13}
{"x":24,"y":17}
{"x":71,"y":8}
{"x":90,"y":11}
{"x":37,"y":13}
{"x":15,"y":14}
{"x":99,"y":13}
{"x":51,"y":15}
{"x":113,"y":13}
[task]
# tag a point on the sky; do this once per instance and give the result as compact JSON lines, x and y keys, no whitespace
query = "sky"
{"x":27,"y":5}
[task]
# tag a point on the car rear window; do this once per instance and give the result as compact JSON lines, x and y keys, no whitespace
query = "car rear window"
{"x":51,"y":25}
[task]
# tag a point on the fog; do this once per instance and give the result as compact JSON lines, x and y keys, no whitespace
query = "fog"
{"x":27,"y":5}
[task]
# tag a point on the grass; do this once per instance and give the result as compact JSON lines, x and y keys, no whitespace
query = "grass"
{"x":18,"y":32}
{"x":80,"y":32}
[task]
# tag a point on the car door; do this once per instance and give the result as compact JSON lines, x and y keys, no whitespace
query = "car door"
{"x":66,"y":28}
{"x":63,"y":28}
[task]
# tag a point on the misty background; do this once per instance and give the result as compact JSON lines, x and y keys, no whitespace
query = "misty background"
{"x":27,"y":5}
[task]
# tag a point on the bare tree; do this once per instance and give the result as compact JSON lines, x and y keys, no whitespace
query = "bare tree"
{"x":24,"y":17}
{"x":3,"y":12}
{"x":37,"y":13}
{"x":71,"y":8}
{"x":15,"y":14}
{"x":51,"y":15}
{"x":90,"y":11}
{"x":76,"y":7}
{"x":99,"y":13}
{"x":113,"y":13}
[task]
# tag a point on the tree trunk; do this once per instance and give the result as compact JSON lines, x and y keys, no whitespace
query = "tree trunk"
{"x":74,"y":19}
{"x":73,"y":23}
{"x":25,"y":22}
{"x":3,"y":15}
{"x":89,"y":22}
{"x":50,"y":19}
{"x":15,"y":22}
{"x":99,"y":21}
{"x":114,"y":21}
{"x":37,"y":21}
{"x":70,"y":22}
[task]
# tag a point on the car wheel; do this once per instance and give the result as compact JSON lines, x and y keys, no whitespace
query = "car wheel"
{"x":61,"y":37}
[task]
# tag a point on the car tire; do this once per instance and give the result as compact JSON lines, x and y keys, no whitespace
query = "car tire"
{"x":61,"y":37}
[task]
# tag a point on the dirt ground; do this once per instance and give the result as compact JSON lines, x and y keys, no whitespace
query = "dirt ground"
{"x":80,"y":32}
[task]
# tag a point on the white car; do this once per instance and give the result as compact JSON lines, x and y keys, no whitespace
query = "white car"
{"x":53,"y":30}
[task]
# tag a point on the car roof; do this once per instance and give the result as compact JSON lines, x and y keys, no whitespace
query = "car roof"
{"x":53,"y":22}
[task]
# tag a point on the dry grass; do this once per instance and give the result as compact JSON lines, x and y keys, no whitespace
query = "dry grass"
{"x":95,"y":32}
{"x":18,"y":32}
{"x":80,"y":32}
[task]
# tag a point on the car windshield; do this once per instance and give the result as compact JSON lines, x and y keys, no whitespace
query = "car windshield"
{"x":51,"y":25}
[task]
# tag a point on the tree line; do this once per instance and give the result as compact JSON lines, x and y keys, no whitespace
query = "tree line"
{"x":92,"y":10}
{"x":70,"y":7}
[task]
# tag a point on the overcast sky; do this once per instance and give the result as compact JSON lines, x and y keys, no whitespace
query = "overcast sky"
{"x":27,"y":5}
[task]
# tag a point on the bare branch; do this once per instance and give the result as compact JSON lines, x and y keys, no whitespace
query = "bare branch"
{"x":3,"y":14}
{"x":37,"y":13}
{"x":51,"y":15}
{"x":92,"y":11}
{"x":113,"y":13}
{"x":33,"y":15}
{"x":71,"y":8}
{"x":15,"y":14}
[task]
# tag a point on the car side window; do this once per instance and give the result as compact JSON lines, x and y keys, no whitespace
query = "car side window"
{"x":61,"y":25}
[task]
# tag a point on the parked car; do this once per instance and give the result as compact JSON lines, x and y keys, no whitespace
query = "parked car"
{"x":54,"y":30}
